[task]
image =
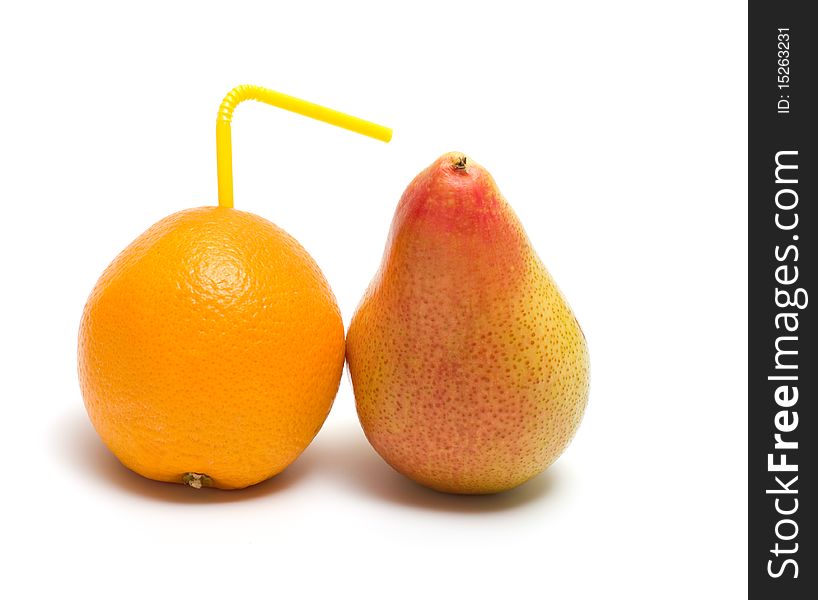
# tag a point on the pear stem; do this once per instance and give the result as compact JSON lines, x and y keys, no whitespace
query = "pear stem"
{"x":460,"y":162}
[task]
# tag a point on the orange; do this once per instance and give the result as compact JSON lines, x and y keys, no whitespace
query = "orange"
{"x":210,"y":350}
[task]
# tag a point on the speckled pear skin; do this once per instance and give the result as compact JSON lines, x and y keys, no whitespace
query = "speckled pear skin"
{"x":470,"y":371}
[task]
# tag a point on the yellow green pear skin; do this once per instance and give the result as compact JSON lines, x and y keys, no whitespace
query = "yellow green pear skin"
{"x":470,"y":372}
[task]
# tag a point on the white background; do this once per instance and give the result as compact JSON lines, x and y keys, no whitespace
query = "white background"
{"x":617,"y":130}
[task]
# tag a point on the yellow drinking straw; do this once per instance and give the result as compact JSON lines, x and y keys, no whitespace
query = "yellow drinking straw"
{"x":224,"y":147}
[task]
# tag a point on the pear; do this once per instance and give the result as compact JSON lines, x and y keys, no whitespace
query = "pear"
{"x":470,"y":371}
